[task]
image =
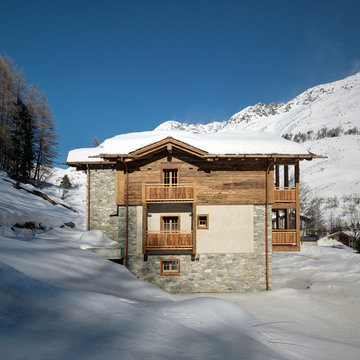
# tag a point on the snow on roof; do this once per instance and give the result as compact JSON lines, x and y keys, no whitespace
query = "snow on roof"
{"x":339,"y":232}
{"x":224,"y":143}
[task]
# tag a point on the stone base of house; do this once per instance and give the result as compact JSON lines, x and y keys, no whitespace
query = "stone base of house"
{"x":206,"y":273}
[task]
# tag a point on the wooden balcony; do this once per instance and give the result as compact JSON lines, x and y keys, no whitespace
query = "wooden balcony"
{"x":284,"y":237}
{"x":284,"y":194}
{"x":156,"y":193}
{"x":160,"y":240}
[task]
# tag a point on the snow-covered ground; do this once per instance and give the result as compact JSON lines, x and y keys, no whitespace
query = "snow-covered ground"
{"x":58,"y":301}
{"x":312,"y":310}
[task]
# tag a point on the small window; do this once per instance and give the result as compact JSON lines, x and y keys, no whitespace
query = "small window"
{"x":170,"y":267}
{"x":170,"y":224}
{"x":203,"y":221}
{"x":170,"y":176}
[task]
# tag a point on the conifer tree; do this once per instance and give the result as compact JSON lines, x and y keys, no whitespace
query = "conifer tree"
{"x":27,"y":127}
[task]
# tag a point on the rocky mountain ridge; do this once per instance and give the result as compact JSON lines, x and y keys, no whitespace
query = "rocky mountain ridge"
{"x":331,"y":105}
{"x":325,"y":119}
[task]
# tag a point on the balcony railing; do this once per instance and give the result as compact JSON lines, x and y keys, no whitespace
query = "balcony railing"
{"x":169,"y":193}
{"x":284,"y":237}
{"x":285,"y":194}
{"x":156,"y":240}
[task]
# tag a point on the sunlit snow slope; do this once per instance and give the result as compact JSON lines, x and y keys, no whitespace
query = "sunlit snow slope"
{"x":325,"y":118}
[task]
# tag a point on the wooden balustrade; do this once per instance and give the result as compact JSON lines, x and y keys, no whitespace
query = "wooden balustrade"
{"x":169,"y":193}
{"x":156,"y":240}
{"x":285,"y":194}
{"x":284,"y":237}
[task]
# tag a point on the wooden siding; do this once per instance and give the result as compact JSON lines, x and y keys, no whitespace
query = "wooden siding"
{"x":284,"y":194}
{"x":218,"y":182}
{"x":284,"y":237}
{"x":169,"y":193}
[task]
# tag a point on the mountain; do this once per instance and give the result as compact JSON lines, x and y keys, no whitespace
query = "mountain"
{"x":332,"y":105}
{"x":325,"y":119}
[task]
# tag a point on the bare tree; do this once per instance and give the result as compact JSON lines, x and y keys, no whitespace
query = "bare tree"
{"x":95,"y":142}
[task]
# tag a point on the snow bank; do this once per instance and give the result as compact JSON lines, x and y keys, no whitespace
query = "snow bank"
{"x":96,"y":239}
{"x":58,"y":302}
{"x":329,"y":242}
{"x":235,"y":142}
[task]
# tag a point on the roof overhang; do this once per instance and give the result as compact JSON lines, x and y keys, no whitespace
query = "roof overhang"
{"x":170,"y":144}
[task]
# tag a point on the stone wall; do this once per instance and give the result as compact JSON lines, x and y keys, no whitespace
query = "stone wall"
{"x":218,"y":272}
{"x":212,"y":272}
{"x":103,"y":211}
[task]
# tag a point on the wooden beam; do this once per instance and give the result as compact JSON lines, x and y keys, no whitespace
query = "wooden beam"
{"x":194,"y":227}
{"x":278,"y":219}
{"x":270,"y":183}
{"x":277,"y":176}
{"x":289,"y":205}
{"x":286,"y":175}
{"x":144,"y":227}
{"x":287,"y":219}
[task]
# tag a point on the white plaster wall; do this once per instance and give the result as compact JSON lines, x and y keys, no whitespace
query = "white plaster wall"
{"x":157,"y":210}
{"x":231,"y":229}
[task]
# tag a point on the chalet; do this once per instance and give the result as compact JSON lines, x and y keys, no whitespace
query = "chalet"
{"x":343,"y":237}
{"x":196,"y":213}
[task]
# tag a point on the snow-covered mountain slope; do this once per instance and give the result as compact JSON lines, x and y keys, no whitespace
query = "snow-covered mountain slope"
{"x":325,"y":119}
{"x":29,"y":210}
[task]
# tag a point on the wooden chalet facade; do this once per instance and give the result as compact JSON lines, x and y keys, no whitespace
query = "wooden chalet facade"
{"x":344,"y":238}
{"x":195,"y":221}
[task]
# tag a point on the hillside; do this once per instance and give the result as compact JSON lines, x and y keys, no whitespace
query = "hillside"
{"x":60,"y":302}
{"x":324,"y":119}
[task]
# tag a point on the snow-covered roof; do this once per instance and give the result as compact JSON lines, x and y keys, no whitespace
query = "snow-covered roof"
{"x":338,"y":233}
{"x":224,"y":143}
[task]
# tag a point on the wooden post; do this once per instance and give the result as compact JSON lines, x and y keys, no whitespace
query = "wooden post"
{"x":277,"y":176}
{"x":144,"y":227}
{"x":194,"y":222}
{"x":286,"y":176}
{"x":270,"y":185}
{"x":278,"y":225}
{"x":297,"y":210}
{"x":287,"y":219}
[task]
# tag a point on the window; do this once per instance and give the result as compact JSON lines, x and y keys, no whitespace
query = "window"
{"x":170,"y":224}
{"x":203,"y":221}
{"x":169,"y":267}
{"x":170,"y":176}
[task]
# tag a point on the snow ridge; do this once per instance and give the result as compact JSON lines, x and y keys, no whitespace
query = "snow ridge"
{"x":325,"y":118}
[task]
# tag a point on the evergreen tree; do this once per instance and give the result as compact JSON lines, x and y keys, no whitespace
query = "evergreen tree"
{"x":46,"y":137}
{"x":22,"y":136}
{"x":27,"y":127}
{"x":65,"y":181}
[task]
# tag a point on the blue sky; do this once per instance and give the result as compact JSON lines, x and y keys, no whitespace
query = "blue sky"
{"x":111,"y":67}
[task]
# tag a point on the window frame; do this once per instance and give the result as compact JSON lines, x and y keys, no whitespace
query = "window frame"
{"x":169,"y":272}
{"x":199,"y":226}
{"x":162,"y":217}
{"x":162,"y":176}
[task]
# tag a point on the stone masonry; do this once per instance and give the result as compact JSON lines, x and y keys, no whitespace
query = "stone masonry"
{"x":207,"y":273}
{"x":238,"y":272}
